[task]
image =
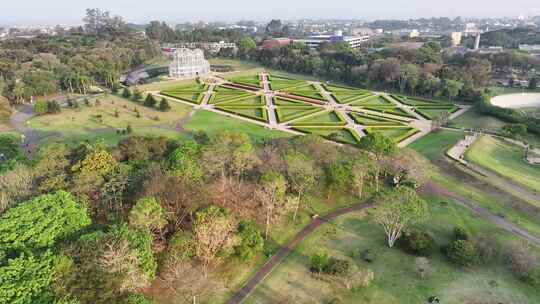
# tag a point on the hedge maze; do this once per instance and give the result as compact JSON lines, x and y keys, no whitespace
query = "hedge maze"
{"x":339,"y":113}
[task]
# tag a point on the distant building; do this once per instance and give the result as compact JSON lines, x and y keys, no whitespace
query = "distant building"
{"x":456,"y":38}
{"x":188,"y":64}
{"x":414,"y":34}
{"x":530,"y":48}
{"x":315,"y":42}
{"x":276,"y":42}
{"x":212,"y":47}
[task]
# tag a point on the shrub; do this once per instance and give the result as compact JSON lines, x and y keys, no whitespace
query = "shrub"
{"x":41,"y":107}
{"x":319,"y":262}
{"x":368,"y":255}
{"x":150,"y":101}
{"x":164,"y":105}
{"x":129,"y":129}
{"x":251,"y":241}
{"x":137,"y":95}
{"x":417,"y":242}
{"x":460,"y":233}
{"x":462,"y":252}
{"x":487,"y":247}
{"x":338,"y":267}
{"x":53,"y":107}
{"x":520,"y":259}
{"x":126,"y":93}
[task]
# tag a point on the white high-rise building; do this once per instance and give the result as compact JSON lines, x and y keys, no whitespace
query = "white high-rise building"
{"x":188,"y":64}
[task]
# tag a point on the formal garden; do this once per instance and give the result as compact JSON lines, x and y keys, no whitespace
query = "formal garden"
{"x":338,"y":113}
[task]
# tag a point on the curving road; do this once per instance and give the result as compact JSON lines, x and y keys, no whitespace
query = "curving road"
{"x":284,"y":251}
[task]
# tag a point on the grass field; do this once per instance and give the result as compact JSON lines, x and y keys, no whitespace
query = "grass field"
{"x":474,"y":120}
{"x":99,"y":122}
{"x":213,"y":123}
{"x":463,"y":182}
{"x":395,"y":279}
{"x":505,"y":159}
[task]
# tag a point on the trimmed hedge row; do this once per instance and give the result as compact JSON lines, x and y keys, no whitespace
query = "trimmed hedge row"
{"x":353,"y":134}
{"x":198,"y":101}
{"x":309,"y":110}
{"x":411,"y":132}
{"x":342,"y":121}
{"x":231,"y":110}
{"x":384,"y":110}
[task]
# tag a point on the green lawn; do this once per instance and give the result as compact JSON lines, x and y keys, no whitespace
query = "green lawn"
{"x":331,"y":118}
{"x":285,"y":114}
{"x":214,"y":123}
{"x":472,"y":119}
{"x":342,"y":135}
{"x":99,"y":122}
{"x":395,"y":278}
{"x":505,"y":159}
{"x":465,"y":183}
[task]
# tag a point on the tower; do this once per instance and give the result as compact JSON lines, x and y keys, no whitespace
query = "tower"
{"x":477,"y":41}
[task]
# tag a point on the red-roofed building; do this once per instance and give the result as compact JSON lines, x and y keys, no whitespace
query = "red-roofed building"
{"x":276,"y":42}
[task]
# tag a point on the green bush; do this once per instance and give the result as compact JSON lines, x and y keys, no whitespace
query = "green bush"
{"x":251,"y":241}
{"x":10,"y":152}
{"x":368,"y":255}
{"x":319,"y":262}
{"x":460,"y":233}
{"x":41,"y":107}
{"x":40,"y":222}
{"x":462,"y":252}
{"x":417,"y":242}
{"x":338,"y":267}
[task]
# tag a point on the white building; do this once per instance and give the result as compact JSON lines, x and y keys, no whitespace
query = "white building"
{"x":315,"y":42}
{"x":456,"y":38}
{"x":188,"y":64}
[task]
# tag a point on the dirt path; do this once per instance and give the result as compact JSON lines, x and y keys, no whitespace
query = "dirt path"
{"x":284,"y":251}
{"x":31,"y":137}
{"x":434,"y":188}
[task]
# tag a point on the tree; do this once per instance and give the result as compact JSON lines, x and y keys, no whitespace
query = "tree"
{"x":126,"y":93}
{"x":462,"y":252}
{"x":41,"y":107}
{"x":246,"y":46}
{"x":26,"y":278}
{"x":184,"y":162}
{"x":533,"y":83}
{"x":251,"y":241}
{"x":452,"y":88}
{"x":271,"y":194}
{"x":397,"y":210}
{"x":15,"y":186}
{"x":229,"y":154}
{"x":41,"y":221}
{"x":212,"y":229}
{"x":380,"y":146}
{"x":302,"y":175}
{"x":147,"y":214}
{"x":164,"y":105}
{"x":97,"y":160}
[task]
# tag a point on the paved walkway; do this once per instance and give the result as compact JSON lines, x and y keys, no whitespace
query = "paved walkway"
{"x":284,"y":251}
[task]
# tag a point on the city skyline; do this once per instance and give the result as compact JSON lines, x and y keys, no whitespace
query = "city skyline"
{"x":68,"y":12}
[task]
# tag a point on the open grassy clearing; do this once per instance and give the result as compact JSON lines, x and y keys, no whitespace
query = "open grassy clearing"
{"x":463,"y":182}
{"x":213,"y":123}
{"x":506,"y":160}
{"x":395,"y":279}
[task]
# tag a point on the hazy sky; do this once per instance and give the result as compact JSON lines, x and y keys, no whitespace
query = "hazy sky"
{"x":71,"y":11}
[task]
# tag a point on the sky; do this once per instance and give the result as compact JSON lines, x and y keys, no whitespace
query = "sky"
{"x":71,"y":11}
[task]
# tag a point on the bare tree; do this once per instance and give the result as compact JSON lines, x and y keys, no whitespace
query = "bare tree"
{"x":399,"y":208}
{"x":271,"y":194}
